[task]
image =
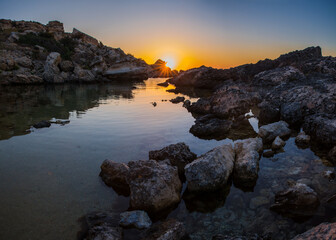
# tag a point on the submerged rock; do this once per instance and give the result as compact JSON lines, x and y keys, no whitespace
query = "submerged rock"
{"x":153,"y":186}
{"x":177,"y":100}
{"x":42,"y":124}
{"x":298,"y":200}
{"x":138,"y":219}
{"x":210,"y":171}
{"x":247,"y":161}
{"x":278,"y":143}
{"x":115,"y":174}
{"x":169,"y":229}
{"x":302,"y":140}
{"x":178,"y":154}
{"x":270,"y":131}
{"x":320,"y":232}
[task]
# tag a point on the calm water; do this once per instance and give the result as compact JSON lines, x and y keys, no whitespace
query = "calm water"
{"x":49,"y":177}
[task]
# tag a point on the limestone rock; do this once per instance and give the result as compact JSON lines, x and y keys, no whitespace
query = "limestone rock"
{"x":51,"y":70}
{"x":210,"y":171}
{"x":278,"y":143}
{"x":270,"y":131}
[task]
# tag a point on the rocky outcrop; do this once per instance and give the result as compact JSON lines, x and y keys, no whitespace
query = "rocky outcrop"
{"x":178,"y":154}
{"x":51,"y":70}
{"x":177,"y":100}
{"x":85,"y":38}
{"x":298,"y":200}
{"x":135,"y":219}
{"x":159,"y":69}
{"x":269,"y":132}
{"x":322,"y":231}
{"x":153,"y":186}
{"x":115,"y":175}
{"x":246,"y":166}
{"x":170,"y":229}
{"x":210,"y":171}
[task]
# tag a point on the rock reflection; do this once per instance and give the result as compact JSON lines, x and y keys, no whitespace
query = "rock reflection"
{"x":23,"y":106}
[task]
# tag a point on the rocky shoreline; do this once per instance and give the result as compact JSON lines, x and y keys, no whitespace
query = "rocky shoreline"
{"x":33,"y":53}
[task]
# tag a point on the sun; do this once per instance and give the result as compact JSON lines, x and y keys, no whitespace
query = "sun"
{"x":170,"y":62}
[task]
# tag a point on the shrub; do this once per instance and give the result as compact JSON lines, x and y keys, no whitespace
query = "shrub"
{"x":65,"y":46}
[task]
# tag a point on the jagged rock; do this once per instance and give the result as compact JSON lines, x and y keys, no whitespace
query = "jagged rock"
{"x":169,"y":229}
{"x":55,"y":26}
{"x":51,"y":70}
{"x":208,"y":126}
{"x":154,"y":186}
{"x":320,"y":232}
{"x":297,"y":201}
{"x":85,"y":38}
{"x":178,"y":154}
{"x":101,"y":226}
{"x":163,"y":84}
{"x":270,"y":131}
{"x":24,"y":62}
{"x":138,"y":219}
{"x":247,"y":161}
{"x":278,"y":143}
{"x":268,"y":153}
{"x":115,"y":175}
{"x":332,"y":155}
{"x":322,"y":128}
{"x":210,"y":171}
{"x":66,"y":66}
{"x":83,"y":74}
{"x":186,"y":103}
{"x":302,"y":139}
{"x":42,"y":124}
{"x":177,"y":100}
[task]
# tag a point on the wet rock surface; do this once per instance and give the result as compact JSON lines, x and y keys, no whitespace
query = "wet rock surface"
{"x":278,"y":143}
{"x":178,"y":154}
{"x":42,"y":124}
{"x":170,"y":229}
{"x":210,"y":171}
{"x":270,"y":131}
{"x":322,"y":231}
{"x":137,"y":219}
{"x":298,"y":200}
{"x":302,"y":140}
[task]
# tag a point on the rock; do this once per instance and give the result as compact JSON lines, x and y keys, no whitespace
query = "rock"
{"x":42,"y":124}
{"x":302,"y":139}
{"x":278,"y":143}
{"x":178,"y":154}
{"x":163,"y":84}
{"x":153,"y":186}
{"x":154,"y":104}
{"x":101,"y":226}
{"x":298,"y":200}
{"x":67,"y":66}
{"x":186,"y":103}
{"x":268,"y":153}
{"x":237,"y":237}
{"x":84,"y":75}
{"x":137,"y":219}
{"x":210,"y":127}
{"x":115,"y":174}
{"x":210,"y":171}
{"x":85,"y":38}
{"x":330,"y":175}
{"x":269,"y":112}
{"x":24,"y":62}
{"x":247,"y":161}
{"x":169,"y":229}
{"x":137,"y":73}
{"x":55,"y":27}
{"x":51,"y":70}
{"x":177,"y":100}
{"x":61,"y":122}
{"x":270,"y":131}
{"x":321,"y":128}
{"x":332,"y":155}
{"x":320,"y":232}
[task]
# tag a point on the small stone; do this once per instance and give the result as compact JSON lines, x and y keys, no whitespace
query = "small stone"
{"x":329,"y":174}
{"x":268,"y":153}
{"x":42,"y":124}
{"x":138,"y":219}
{"x":278,"y":143}
{"x":302,"y":139}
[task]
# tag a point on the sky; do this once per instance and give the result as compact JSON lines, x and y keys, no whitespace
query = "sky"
{"x":191,"y":33}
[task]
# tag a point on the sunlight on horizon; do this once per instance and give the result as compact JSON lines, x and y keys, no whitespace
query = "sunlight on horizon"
{"x":170,"y":62}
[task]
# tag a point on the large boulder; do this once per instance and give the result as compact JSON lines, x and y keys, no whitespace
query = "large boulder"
{"x":298,"y":200}
{"x":270,"y":131}
{"x":178,"y":154}
{"x":138,"y":219}
{"x":51,"y":70}
{"x":153,"y":186}
{"x":323,"y":231}
{"x":170,"y":229}
{"x":210,"y":171}
{"x":114,"y":174}
{"x":246,"y":166}
{"x":321,"y":128}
